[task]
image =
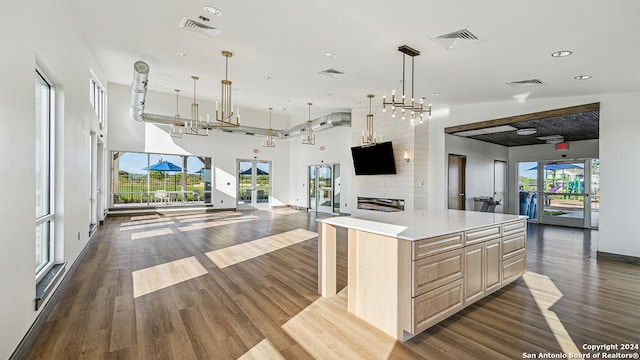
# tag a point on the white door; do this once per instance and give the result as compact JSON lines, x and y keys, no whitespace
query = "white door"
{"x":500,"y":184}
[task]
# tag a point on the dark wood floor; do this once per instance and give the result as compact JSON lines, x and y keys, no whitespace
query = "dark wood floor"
{"x":267,"y":306}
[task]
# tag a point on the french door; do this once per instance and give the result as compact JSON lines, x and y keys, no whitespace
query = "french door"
{"x":254,"y":184}
{"x":324,"y":188}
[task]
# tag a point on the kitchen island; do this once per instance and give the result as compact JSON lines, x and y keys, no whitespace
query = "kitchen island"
{"x":410,"y":270}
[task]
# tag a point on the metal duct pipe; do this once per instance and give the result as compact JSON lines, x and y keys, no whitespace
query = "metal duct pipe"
{"x":139,"y":89}
{"x":322,"y":123}
{"x":139,"y":93}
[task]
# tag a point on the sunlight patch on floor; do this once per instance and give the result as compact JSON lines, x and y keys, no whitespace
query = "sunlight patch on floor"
{"x":144,"y":217}
{"x":151,"y":233}
{"x":326,"y":329}
{"x":285,"y":211}
{"x":199,"y":217}
{"x":252,"y":249}
{"x":146,"y":226}
{"x":264,"y":350}
{"x":158,"y":277}
{"x":210,"y":224}
{"x":144,"y":222}
{"x":545,"y":294}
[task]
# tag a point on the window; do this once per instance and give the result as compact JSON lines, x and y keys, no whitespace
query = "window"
{"x":97,"y":98}
{"x":44,"y":175}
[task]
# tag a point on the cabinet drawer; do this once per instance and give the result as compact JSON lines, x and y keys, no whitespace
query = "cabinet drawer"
{"x":436,"y":305}
{"x":480,"y":235}
{"x":513,"y":245}
{"x":513,"y":227}
{"x":513,"y":268}
{"x":436,"y":245}
{"x":435,"y":271}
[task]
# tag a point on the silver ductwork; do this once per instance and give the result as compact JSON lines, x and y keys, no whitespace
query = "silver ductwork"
{"x":139,"y":92}
{"x":139,"y":89}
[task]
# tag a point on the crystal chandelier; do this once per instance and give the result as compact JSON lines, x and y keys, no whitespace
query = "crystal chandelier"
{"x":176,"y":130}
{"x":195,"y":126}
{"x":368,"y":135}
{"x":224,"y":112}
{"x":270,"y":141}
{"x":309,"y":136}
{"x":412,"y":106}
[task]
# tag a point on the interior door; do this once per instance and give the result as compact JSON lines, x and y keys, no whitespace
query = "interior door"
{"x":562,"y":196}
{"x":456,"y":182}
{"x":254,"y":184}
{"x":500,"y":185}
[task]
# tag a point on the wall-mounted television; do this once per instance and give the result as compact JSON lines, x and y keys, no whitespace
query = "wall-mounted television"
{"x":374,"y":159}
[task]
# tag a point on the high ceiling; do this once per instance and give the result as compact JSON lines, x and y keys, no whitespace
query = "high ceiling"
{"x":279,"y":49}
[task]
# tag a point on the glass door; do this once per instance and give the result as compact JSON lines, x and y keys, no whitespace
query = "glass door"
{"x":254,"y":184}
{"x":562,"y":196}
{"x":324,"y":188}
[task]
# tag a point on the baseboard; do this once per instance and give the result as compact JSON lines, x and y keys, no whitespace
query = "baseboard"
{"x":29,"y":338}
{"x":628,"y":259}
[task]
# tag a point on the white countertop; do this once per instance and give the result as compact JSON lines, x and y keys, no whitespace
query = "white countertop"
{"x":419,"y":224}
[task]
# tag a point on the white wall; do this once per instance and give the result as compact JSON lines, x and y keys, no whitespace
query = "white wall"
{"x":618,"y":144}
{"x":480,"y":165}
{"x":336,"y":150}
{"x":52,"y":41}
{"x":225,"y":148}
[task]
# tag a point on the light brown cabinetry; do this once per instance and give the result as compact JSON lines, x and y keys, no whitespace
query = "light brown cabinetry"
{"x":514,"y":262}
{"x":452,"y":271}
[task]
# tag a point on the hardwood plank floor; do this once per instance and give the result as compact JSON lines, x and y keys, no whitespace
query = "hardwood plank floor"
{"x":148,"y":289}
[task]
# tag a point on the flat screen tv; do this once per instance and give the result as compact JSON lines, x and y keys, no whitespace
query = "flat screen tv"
{"x":374,"y":159}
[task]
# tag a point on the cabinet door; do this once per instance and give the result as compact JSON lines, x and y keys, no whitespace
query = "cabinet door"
{"x":513,"y":268}
{"x":473,"y":273}
{"x":434,"y":271}
{"x":492,"y":266}
{"x":436,"y":305}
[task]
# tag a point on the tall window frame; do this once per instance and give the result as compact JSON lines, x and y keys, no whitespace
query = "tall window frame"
{"x":97,"y":96}
{"x":44,"y":174}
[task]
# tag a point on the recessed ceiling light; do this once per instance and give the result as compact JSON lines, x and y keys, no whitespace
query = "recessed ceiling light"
{"x":330,"y":54}
{"x":561,"y":53}
{"x":583,"y":77}
{"x":527,"y":131}
{"x":267,"y":77}
{"x":435,"y":94}
{"x":180,"y":53}
{"x":213,"y":11}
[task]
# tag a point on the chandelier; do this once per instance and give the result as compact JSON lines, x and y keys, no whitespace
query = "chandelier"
{"x":176,"y":129}
{"x":270,"y":141}
{"x":412,"y":106}
{"x":309,"y":136}
{"x":195,"y":126}
{"x":368,"y":135}
{"x":224,"y":112}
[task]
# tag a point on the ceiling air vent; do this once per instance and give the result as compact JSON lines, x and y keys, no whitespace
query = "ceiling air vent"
{"x":200,"y":28}
{"x":458,"y":39}
{"x":332,"y":73}
{"x":526,"y":83}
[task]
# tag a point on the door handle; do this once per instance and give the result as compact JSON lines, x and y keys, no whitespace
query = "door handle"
{"x":461,"y":194}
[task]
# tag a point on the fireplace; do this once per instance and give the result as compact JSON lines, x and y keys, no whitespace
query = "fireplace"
{"x":380,"y":204}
